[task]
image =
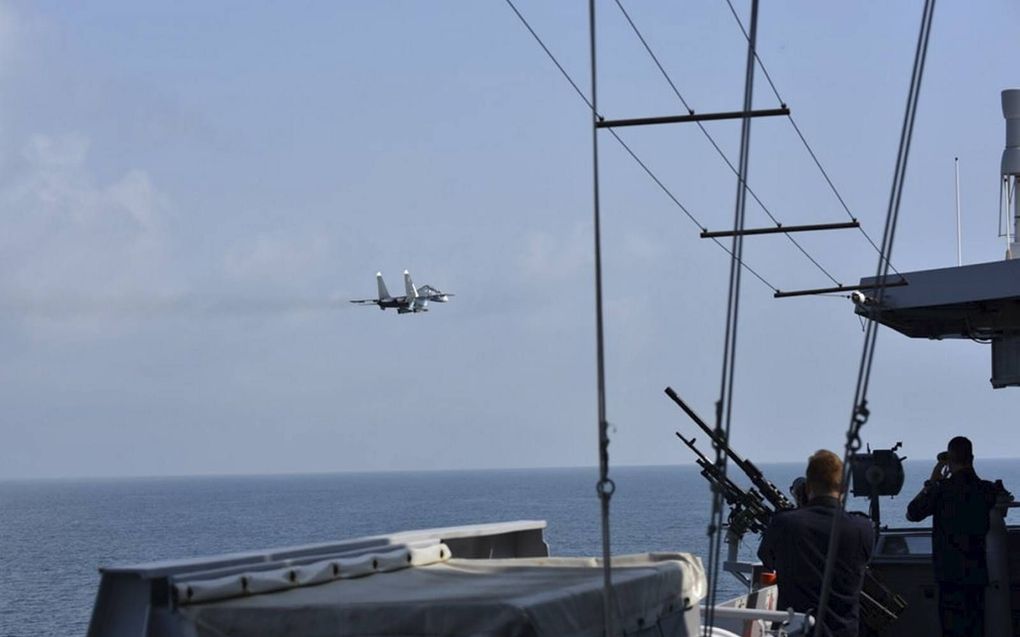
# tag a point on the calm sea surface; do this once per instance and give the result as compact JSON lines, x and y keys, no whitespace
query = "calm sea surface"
{"x":54,"y":534}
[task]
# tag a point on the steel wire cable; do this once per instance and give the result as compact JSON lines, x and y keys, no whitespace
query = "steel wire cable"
{"x":715,"y":145}
{"x":804,"y":141}
{"x":658,"y":182}
{"x":605,"y":486}
{"x":860,"y":412}
{"x":724,"y":406}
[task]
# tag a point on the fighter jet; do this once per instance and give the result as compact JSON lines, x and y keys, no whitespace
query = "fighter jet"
{"x":415,"y":299}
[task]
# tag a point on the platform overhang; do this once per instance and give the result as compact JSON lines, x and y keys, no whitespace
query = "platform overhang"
{"x":980,"y":301}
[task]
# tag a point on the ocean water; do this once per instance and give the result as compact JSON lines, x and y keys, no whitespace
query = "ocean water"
{"x":54,"y":534}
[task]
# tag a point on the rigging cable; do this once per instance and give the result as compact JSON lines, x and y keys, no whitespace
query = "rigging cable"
{"x":860,"y":413}
{"x":804,"y":140}
{"x":724,"y":406}
{"x":605,"y":486}
{"x":627,"y":148}
{"x":715,"y":145}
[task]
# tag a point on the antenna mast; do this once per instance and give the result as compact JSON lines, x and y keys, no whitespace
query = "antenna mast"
{"x":959,"y":240}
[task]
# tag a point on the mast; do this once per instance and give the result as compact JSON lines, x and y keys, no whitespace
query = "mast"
{"x":959,"y":238}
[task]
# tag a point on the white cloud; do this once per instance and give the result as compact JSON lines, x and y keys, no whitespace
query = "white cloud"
{"x":62,"y":231}
{"x":557,"y":258}
{"x":135,"y":195}
{"x":271,"y":258}
{"x":642,"y":247}
{"x":46,"y":152}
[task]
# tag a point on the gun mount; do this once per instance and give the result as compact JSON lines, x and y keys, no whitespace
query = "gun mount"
{"x":748,"y":510}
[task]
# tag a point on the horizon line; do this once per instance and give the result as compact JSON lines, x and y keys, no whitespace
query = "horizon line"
{"x":284,"y":474}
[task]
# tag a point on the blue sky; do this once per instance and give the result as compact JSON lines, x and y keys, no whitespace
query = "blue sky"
{"x":189,"y":191}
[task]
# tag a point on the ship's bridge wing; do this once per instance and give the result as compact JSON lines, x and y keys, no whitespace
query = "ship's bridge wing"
{"x":972,"y":301}
{"x":980,"y":301}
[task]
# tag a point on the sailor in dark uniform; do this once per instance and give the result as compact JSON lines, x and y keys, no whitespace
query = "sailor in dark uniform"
{"x":959,"y":505}
{"x":795,"y":545}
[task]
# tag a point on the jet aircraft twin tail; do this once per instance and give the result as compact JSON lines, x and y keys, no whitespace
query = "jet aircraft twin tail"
{"x":414,"y":300}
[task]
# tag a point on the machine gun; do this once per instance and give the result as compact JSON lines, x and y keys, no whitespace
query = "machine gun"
{"x":749,"y":511}
{"x":770,"y":491}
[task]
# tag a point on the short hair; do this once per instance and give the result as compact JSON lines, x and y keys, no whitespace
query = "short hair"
{"x":961,"y":451}
{"x":824,"y":472}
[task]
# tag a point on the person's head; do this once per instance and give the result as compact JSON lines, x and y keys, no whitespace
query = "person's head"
{"x":960,"y":453}
{"x":824,"y":475}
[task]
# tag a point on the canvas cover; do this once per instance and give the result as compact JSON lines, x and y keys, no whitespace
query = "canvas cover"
{"x":556,"y":597}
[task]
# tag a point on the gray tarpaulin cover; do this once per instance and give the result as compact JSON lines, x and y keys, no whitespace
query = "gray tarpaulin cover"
{"x":558,"y":597}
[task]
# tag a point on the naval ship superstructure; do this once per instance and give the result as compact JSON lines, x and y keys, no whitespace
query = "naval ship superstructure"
{"x":499,"y":579}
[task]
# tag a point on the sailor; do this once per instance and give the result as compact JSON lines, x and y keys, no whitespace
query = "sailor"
{"x":795,"y":545}
{"x":959,"y":504}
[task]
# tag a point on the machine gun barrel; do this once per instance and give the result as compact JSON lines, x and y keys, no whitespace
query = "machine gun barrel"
{"x":702,"y":458}
{"x":712,"y":473}
{"x":769,"y":490}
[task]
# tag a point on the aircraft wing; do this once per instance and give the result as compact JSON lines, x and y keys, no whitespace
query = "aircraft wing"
{"x":393,"y":301}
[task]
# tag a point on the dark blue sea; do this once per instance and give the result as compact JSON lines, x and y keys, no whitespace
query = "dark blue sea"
{"x":54,"y":534}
